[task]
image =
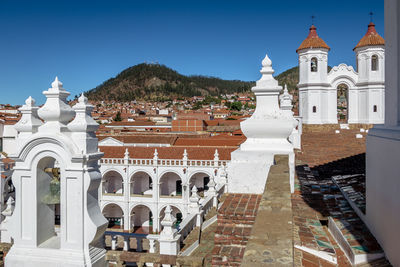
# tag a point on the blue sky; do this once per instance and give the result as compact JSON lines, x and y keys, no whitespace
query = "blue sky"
{"x":88,"y":42}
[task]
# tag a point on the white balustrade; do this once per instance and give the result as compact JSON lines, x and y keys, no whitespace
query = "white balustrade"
{"x":187,"y":225}
{"x":163,"y":162}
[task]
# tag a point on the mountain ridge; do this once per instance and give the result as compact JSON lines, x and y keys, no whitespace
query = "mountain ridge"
{"x":160,"y":83}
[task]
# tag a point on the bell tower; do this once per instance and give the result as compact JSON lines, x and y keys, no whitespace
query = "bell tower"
{"x":56,"y":164}
{"x":370,"y":56}
{"x":317,"y":101}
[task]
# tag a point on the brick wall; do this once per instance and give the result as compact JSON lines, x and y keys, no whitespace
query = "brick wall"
{"x":235,"y":221}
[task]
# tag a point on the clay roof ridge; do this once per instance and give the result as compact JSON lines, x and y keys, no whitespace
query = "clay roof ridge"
{"x":313,"y":40}
{"x":371,"y":38}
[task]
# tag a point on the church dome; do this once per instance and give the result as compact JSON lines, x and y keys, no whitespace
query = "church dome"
{"x":370,"y":38}
{"x":312,"y":40}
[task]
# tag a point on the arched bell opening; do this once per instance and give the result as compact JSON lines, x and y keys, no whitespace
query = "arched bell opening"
{"x":48,"y":203}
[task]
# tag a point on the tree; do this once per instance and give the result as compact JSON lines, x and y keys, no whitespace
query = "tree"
{"x":118,"y":117}
{"x":236,"y":106}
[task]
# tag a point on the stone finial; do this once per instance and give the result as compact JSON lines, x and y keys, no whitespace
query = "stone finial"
{"x":29,"y":121}
{"x":185,"y":155}
{"x":83,"y":121}
{"x":211,"y":186}
{"x":155,"y":155}
{"x":168,"y":223}
{"x":8,"y":211}
{"x":56,"y":85}
{"x":216,"y":155}
{"x":194,"y":198}
{"x":30,"y":102}
{"x":267,"y":83}
{"x":56,"y":110}
{"x":126,"y":154}
{"x":212,"y":183}
{"x":286,"y":99}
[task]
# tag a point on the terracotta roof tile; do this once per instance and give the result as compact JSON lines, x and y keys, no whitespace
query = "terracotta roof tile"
{"x":227,"y":141}
{"x":370,"y":38}
{"x":142,"y":139}
{"x":313,"y":41}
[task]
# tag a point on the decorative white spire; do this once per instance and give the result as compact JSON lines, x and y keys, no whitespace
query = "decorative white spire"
{"x":155,"y":155}
{"x":194,"y":198}
{"x":56,"y":85}
{"x":185,"y":155}
{"x":83,"y":121}
{"x":268,"y":125}
{"x":286,"y":99}
{"x":8,"y":211}
{"x":267,"y":83}
{"x":56,"y":112}
{"x":29,"y":121}
{"x":126,"y":154}
{"x":211,"y":186}
{"x":168,"y":223}
{"x":216,"y":155}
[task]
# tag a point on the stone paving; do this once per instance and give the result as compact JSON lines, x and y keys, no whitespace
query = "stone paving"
{"x":271,"y":241}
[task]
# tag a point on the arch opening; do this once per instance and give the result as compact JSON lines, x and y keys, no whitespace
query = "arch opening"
{"x":115,"y":216}
{"x":200,"y":180}
{"x":141,"y":184}
{"x":374,"y":63}
{"x":171,"y":185}
{"x":141,"y":220}
{"x":342,"y":103}
{"x":113,"y":183}
{"x":48,"y":203}
{"x":314,"y":64}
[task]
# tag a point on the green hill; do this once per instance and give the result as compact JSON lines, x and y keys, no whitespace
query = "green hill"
{"x":289,"y":77}
{"x":160,"y":83}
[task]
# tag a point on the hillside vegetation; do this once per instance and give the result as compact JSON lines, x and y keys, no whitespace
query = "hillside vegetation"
{"x":159,"y":83}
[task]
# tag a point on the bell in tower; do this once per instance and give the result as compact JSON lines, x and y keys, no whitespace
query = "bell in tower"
{"x":53,"y":196}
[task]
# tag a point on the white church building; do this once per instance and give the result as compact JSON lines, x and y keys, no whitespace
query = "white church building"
{"x":342,"y":94}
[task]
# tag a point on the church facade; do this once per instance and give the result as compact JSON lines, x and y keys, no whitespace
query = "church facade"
{"x":342,"y":95}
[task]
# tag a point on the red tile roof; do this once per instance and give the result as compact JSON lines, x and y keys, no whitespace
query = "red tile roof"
{"x":131,"y":123}
{"x":228,"y":141}
{"x":142,"y":139}
{"x":370,"y":38}
{"x":313,"y":41}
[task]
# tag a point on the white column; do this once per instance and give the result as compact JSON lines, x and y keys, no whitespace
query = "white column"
{"x":383,"y":149}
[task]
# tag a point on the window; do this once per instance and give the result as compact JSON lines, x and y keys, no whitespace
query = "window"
{"x":314,"y":109}
{"x":374,"y":63}
{"x":314,"y":64}
{"x":375,"y":108}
